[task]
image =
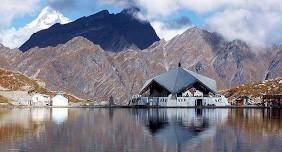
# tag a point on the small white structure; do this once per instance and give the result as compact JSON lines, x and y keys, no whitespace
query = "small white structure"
{"x":40,"y":100}
{"x":60,"y":101}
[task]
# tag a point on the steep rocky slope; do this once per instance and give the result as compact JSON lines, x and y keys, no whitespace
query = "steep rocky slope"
{"x":113,"y":32}
{"x":86,"y":70}
{"x":78,"y":66}
{"x":275,"y":68}
{"x":8,"y":57}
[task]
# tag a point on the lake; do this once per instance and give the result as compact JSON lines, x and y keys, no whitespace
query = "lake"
{"x":139,"y":130}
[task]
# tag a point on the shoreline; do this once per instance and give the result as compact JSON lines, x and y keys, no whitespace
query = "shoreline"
{"x":144,"y":107}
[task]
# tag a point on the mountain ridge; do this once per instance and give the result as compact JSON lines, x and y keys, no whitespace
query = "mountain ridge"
{"x":86,"y":70}
{"x":113,"y":32}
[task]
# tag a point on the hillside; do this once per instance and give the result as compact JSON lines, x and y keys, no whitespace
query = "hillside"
{"x":15,"y":81}
{"x":255,"y":90}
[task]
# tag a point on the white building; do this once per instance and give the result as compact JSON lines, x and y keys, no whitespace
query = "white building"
{"x":59,"y":101}
{"x":40,"y":100}
{"x":179,"y":88}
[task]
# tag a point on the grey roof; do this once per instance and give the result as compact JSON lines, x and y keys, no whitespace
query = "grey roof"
{"x":178,"y":79}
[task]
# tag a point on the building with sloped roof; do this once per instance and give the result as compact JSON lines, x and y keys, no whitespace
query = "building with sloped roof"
{"x":179,"y":87}
{"x":177,"y":81}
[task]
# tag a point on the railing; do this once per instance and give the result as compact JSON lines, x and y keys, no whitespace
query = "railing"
{"x":163,"y":101}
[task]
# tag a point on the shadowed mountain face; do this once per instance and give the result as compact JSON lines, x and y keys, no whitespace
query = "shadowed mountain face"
{"x":113,"y":32}
{"x":87,"y":71}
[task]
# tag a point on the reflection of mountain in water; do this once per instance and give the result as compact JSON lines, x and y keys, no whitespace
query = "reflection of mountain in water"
{"x":179,"y":127}
{"x":139,"y":130}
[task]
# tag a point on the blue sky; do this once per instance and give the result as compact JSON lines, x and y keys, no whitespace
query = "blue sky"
{"x":73,"y":15}
{"x":256,"y":22}
{"x":20,"y":21}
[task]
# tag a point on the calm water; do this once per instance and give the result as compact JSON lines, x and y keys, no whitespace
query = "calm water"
{"x":118,"y":130}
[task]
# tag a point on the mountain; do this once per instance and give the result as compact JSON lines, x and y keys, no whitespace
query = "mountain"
{"x":47,"y":18}
{"x":113,"y":32}
{"x":78,"y":66}
{"x":8,"y":57}
{"x":275,"y":68}
{"x":14,"y":38}
{"x":88,"y":71}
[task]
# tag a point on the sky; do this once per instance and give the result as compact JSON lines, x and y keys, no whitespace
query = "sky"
{"x":256,"y":22}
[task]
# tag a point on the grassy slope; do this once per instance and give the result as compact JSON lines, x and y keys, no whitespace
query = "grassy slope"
{"x":268,"y":87}
{"x":16,"y":81}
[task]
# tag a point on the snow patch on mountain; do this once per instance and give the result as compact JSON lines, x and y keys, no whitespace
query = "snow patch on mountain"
{"x":14,"y":38}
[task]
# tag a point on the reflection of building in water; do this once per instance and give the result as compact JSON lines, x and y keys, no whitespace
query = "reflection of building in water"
{"x":21,"y":122}
{"x":40,"y":114}
{"x":59,"y":115}
{"x":179,"y":127}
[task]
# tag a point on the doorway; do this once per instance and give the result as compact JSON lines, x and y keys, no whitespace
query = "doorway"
{"x":199,"y":102}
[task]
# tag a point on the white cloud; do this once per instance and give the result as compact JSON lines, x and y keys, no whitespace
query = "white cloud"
{"x":258,"y":24}
{"x":9,"y":9}
{"x":254,"y":21}
{"x":166,"y":32}
{"x":158,"y":8}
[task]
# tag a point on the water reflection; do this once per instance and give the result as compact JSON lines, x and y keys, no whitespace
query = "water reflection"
{"x":176,"y":128}
{"x":140,"y":129}
{"x":39,"y":115}
{"x":59,"y":115}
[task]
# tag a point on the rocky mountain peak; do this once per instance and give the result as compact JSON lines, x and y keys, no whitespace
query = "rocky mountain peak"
{"x":113,"y":32}
{"x":130,"y":10}
{"x":80,"y":41}
{"x":239,"y":43}
{"x":101,"y":14}
{"x":47,"y":17}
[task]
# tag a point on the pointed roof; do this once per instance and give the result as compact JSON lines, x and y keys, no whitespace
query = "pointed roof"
{"x":178,"y":79}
